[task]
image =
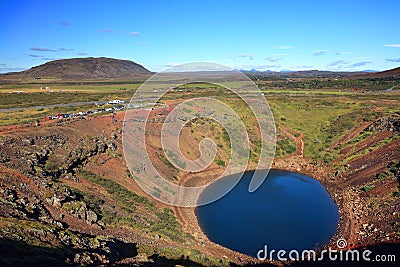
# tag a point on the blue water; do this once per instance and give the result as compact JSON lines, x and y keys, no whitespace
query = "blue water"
{"x":289,"y":211}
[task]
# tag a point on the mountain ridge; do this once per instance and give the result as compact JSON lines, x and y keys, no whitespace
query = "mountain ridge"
{"x":96,"y":68}
{"x":82,"y":69}
{"x":391,"y":73}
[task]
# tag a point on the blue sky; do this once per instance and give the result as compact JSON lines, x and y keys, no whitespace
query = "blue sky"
{"x":274,"y":35}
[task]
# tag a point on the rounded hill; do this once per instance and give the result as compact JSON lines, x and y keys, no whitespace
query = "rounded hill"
{"x":85,"y":68}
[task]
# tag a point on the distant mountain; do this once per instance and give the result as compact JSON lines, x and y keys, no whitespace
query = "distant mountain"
{"x":82,"y":69}
{"x":395,"y":73}
{"x":109,"y":68}
{"x":370,"y":70}
{"x":254,"y":74}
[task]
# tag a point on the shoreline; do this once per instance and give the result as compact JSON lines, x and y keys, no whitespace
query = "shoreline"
{"x":190,"y":223}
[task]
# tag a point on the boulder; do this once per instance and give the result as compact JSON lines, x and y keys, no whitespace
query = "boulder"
{"x":91,"y":217}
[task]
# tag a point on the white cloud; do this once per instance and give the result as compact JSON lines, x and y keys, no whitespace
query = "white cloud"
{"x":40,"y":57}
{"x":42,"y":49}
{"x":392,"y":60}
{"x":162,"y":67}
{"x":305,"y":67}
{"x":106,"y":30}
{"x":181,"y":67}
{"x":319,"y":52}
{"x":273,"y":59}
{"x":392,"y":45}
{"x":171,"y":64}
{"x":158,"y":68}
{"x":82,"y":54}
{"x":337,"y":63}
{"x":343,"y":53}
{"x":134,"y":34}
{"x":260,"y":67}
{"x":251,"y":56}
{"x":359,"y":64}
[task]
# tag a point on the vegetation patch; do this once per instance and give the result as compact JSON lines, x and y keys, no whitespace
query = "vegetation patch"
{"x":131,"y":209}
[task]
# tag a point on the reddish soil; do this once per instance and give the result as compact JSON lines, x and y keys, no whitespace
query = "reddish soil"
{"x":354,"y":205}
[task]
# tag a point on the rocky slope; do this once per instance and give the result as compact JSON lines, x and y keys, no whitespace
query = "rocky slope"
{"x":66,"y":198}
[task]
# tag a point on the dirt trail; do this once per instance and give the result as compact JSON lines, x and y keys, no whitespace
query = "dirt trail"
{"x":299,"y":140}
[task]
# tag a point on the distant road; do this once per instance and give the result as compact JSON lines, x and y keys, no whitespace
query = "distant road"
{"x":68,"y":105}
{"x":51,"y":106}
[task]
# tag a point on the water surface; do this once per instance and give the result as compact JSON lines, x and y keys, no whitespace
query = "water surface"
{"x":288,"y":211}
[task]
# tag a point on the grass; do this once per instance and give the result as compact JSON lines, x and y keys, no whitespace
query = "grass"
{"x":15,"y":229}
{"x":122,"y":195}
{"x":168,"y":163}
{"x":310,"y":116}
{"x":363,"y":136}
{"x":92,"y":201}
{"x":51,"y":166}
{"x":181,"y":257}
{"x":93,"y":87}
{"x":29,"y":100}
{"x":219,"y":162}
{"x":393,"y":169}
{"x":333,"y":85}
{"x":131,"y":209}
{"x":372,"y":148}
{"x":31,"y":115}
{"x":306,"y":92}
{"x":304,"y":105}
{"x":367,"y":188}
{"x":39,"y":105}
{"x":383,"y":175}
{"x":322,"y":115}
{"x":285,"y":146}
{"x":175,"y":159}
{"x":324,"y":119}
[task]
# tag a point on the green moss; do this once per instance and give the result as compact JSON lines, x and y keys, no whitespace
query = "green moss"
{"x":367,"y":188}
{"x":119,"y":193}
{"x":383,"y":175}
{"x":219,"y":162}
{"x":73,"y":205}
{"x":51,"y":166}
{"x":168,"y":163}
{"x":285,"y":146}
{"x":160,"y":221}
